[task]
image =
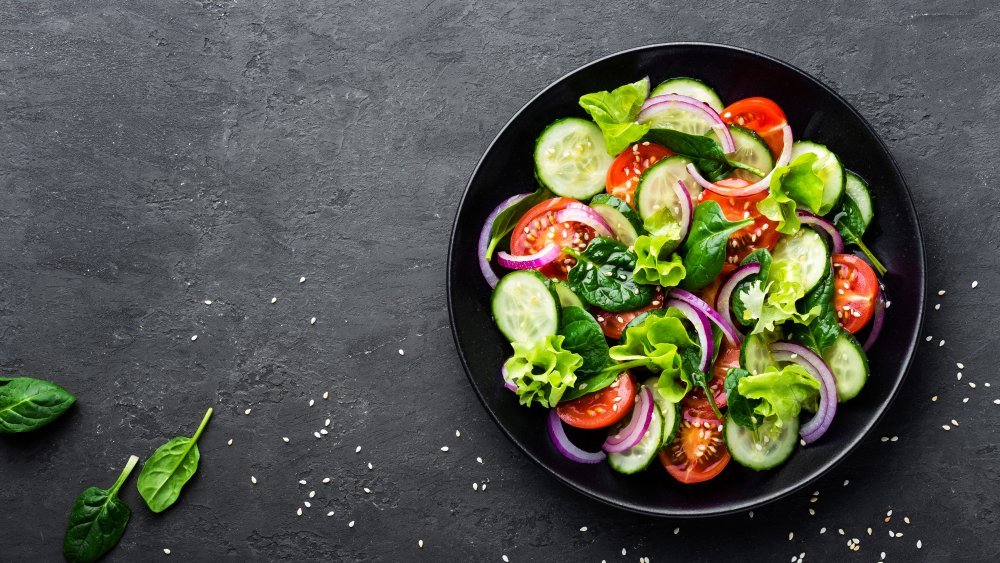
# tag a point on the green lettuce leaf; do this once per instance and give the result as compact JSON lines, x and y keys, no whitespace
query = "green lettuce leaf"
{"x":542,"y":370}
{"x":773,"y":301}
{"x":793,"y":185}
{"x":655,"y":263}
{"x":615,"y":113}
{"x":656,"y":344}
{"x":782,"y":393}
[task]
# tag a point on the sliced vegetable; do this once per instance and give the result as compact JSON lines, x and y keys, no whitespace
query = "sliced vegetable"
{"x":752,"y":152}
{"x":567,"y":448}
{"x":601,"y":408}
{"x":524,"y":307}
{"x":824,"y":226}
{"x":630,"y":433}
{"x":853,"y":217}
{"x":723,"y":299}
{"x":640,"y":455}
{"x":807,"y":249}
{"x":540,"y":259}
{"x":669,"y":410}
{"x":566,"y":296}
{"x":691,"y":87}
{"x":615,"y":112}
{"x":687,"y":115}
{"x":798,"y":354}
{"x":624,"y":173}
{"x":849,"y":365}
{"x":538,"y":228}
{"x":570,"y":158}
{"x":767,"y":448}
{"x":724,"y":324}
{"x":762,"y":116}
{"x":580,"y":213}
{"x":488,"y":237}
{"x":625,"y":224}
{"x":662,"y":194}
{"x":827,"y":166}
{"x":701,"y":327}
{"x":759,"y":186}
{"x":877,"y":322}
{"x":856,"y":291}
{"x":613,"y":324}
{"x":697,"y":453}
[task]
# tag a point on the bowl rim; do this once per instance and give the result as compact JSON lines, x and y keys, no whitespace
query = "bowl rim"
{"x":826,"y":466}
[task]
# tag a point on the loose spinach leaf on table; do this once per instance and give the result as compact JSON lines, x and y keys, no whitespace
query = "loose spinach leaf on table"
{"x":852,"y":226}
{"x":508,"y":218}
{"x":97,"y":521}
{"x":704,"y":151}
{"x":740,"y":408}
{"x":28,"y":404}
{"x":823,"y":330}
{"x":705,"y":246}
{"x":602,"y":276}
{"x":169,"y":468}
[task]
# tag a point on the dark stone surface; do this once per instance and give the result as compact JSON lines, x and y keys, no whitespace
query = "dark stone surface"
{"x":155,"y":155}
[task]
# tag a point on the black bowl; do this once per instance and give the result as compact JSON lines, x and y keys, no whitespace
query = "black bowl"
{"x":815,"y":112}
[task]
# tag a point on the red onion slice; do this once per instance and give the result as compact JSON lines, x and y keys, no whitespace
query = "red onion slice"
{"x":724,"y":324}
{"x":657,"y":104}
{"x":687,"y":208}
{"x":760,"y":185}
{"x":702,"y":327}
{"x":632,"y":433}
{"x":507,"y":383}
{"x":567,"y":448}
{"x":826,"y":227}
{"x":486,"y":234}
{"x":877,"y":321}
{"x":583,"y":214}
{"x":724,"y":298}
{"x":544,"y":256}
{"x":812,"y":363}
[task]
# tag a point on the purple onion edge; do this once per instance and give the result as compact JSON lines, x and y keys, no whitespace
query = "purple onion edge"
{"x":693,"y":314}
{"x":642,"y":417}
{"x":821,"y":421}
{"x":567,"y":448}
{"x":484,"y":238}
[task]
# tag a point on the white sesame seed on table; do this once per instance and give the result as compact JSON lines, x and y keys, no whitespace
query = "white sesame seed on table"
{"x":444,"y":448}
{"x":583,"y":528}
{"x":253,"y":479}
{"x":246,"y":411}
{"x":975,"y":284}
{"x":328,"y":514}
{"x":350,"y":524}
{"x":420,"y":544}
{"x":312,"y":320}
{"x":274,"y":300}
{"x":326,"y":422}
{"x":326,"y":395}
{"x":791,"y":535}
{"x":312,"y":494}
{"x":312,"y":402}
{"x":822,"y":530}
{"x":307,"y":504}
{"x":357,"y":450}
{"x":285,"y":439}
{"x":303,"y":279}
{"x":326,"y":480}
{"x":505,"y":559}
{"x":208,"y":302}
{"x":475,"y":486}
{"x":458,"y":434}
{"x":479,"y":459}
{"x":846,"y":482}
{"x":677,"y":531}
{"x":194,"y":337}
{"x":370,"y":466}
{"x":298,"y":512}
{"x":166,"y":551}
{"x":302,"y":481}
{"x":230,"y":442}
{"x":402,"y":352}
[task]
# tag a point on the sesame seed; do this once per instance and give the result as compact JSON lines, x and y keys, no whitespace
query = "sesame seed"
{"x":822,"y":530}
{"x":402,"y":352}
{"x":458,"y":434}
{"x":326,"y":480}
{"x":328,"y":514}
{"x":882,"y":555}
{"x":350,"y":524}
{"x":920,"y":544}
{"x":960,"y":365}
{"x":284,"y":439}
{"x":505,"y":560}
{"x":420,"y":544}
{"x":312,"y":494}
{"x":475,"y":486}
{"x":246,"y":411}
{"x":791,"y":535}
{"x":302,"y":481}
{"x":326,"y":422}
{"x":317,"y":434}
{"x":302,"y":279}
{"x":955,"y":422}
{"x":298,"y":512}
{"x":253,"y":479}
{"x":367,"y":490}
{"x":312,"y":402}
{"x":846,"y":481}
{"x":869,"y":531}
{"x":583,"y":528}
{"x":677,"y":531}
{"x":972,"y":384}
{"x":623,"y":551}
{"x":326,"y":395}
{"x":166,"y":551}
{"x":274,"y":300}
{"x":885,"y":438}
{"x":946,"y":427}
{"x":996,"y":401}
{"x":894,"y":438}
{"x":208,"y":302}
{"x":974,"y":284}
{"x":230,"y":442}
{"x":307,"y":504}
{"x":941,"y":343}
{"x":444,"y":448}
{"x":934,"y":398}
{"x":814,"y":499}
{"x":937,"y":307}
{"x":479,"y":459}
{"x":812,"y":512}
{"x":840,"y":531}
{"x":941,"y":292}
{"x":892,"y":534}
{"x":357,"y":450}
{"x":929,"y":338}
{"x":370,"y":467}
{"x":193,"y":338}
{"x":958,"y":376}
{"x":312,"y":321}
{"x":323,"y":431}
{"x":906,"y":519}
{"x":965,"y":400}
{"x":751,"y":513}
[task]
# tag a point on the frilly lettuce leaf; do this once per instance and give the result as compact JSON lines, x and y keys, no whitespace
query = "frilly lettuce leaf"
{"x":793,"y":185}
{"x":782,"y":393}
{"x":542,"y":370}
{"x":655,"y":344}
{"x":615,"y":113}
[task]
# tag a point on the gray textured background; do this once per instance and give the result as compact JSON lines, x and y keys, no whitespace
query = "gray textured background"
{"x":155,"y":155}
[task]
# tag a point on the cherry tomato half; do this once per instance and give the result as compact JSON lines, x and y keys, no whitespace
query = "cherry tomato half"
{"x":761,"y":115}
{"x":855,"y":289}
{"x":698,"y":452}
{"x":623,"y":175}
{"x":760,"y":234}
{"x":538,"y":228}
{"x":601,"y":408}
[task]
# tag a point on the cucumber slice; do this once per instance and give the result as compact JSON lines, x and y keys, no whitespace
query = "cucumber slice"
{"x":691,"y":87}
{"x":639,"y":456}
{"x":750,"y":150}
{"x":808,"y":249}
{"x":771,"y":450}
{"x":656,"y":186}
{"x":670,"y":411}
{"x":566,"y":296}
{"x":849,"y":364}
{"x":570,"y":158}
{"x":856,"y":190}
{"x":524,"y":307}
{"x":625,"y":224}
{"x":828,"y":167}
{"x":755,"y":354}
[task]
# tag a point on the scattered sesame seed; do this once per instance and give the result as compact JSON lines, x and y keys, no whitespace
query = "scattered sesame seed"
{"x":929,"y":338}
{"x":302,"y":481}
{"x":312,"y":321}
{"x":791,"y":535}
{"x":350,"y":524}
{"x":814,"y":499}
{"x":194,"y":337}
{"x":965,"y":400}
{"x":623,"y":551}
{"x":312,"y":494}
{"x":934,"y":398}
{"x":307,"y":504}
{"x":801,"y":443}
{"x":920,"y":544}
{"x":846,"y":482}
{"x":246,"y":411}
{"x":302,"y":279}
{"x":230,"y":442}
{"x":317,"y":434}
{"x":892,"y":534}
{"x":326,"y":480}
{"x":475,"y":486}
{"x":328,"y":514}
{"x":312,"y":402}
{"x":906,"y":519}
{"x":812,"y":512}
{"x":583,"y":528}
{"x":367,"y":490}
{"x":946,"y":427}
{"x":677,"y":531}
{"x":958,"y":376}
{"x":357,"y":450}
{"x":941,"y":343}
{"x":941,"y":292}
{"x":284,"y":439}
{"x":894,"y":438}
{"x":479,"y":459}
{"x":458,"y":434}
{"x":751,"y":513}
{"x":960,"y":365}
{"x":253,"y":479}
{"x":889,"y":513}
{"x":882,"y":555}
{"x":208,"y":302}
{"x":274,"y":300}
{"x":326,"y":395}
{"x":298,"y":512}
{"x":166,"y":551}
{"x":822,"y":530}
{"x":444,"y":448}
{"x":420,"y":544}
{"x":974,"y":284}
{"x":402,"y":352}
{"x":972,"y":384}
{"x":370,"y":467}
{"x":954,"y":422}
{"x":840,"y":531}
{"x":996,"y":401}
{"x":885,"y":438}
{"x":484,"y":487}
{"x":869,"y":531}
{"x":937,"y":307}
{"x":505,"y":560}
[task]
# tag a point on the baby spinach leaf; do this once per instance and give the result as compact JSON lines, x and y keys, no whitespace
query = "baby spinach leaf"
{"x":596,"y":382}
{"x":97,"y":521}
{"x":704,"y":151}
{"x":602,"y":276}
{"x":759,"y":256}
{"x":705,"y":246}
{"x":852,"y":226}
{"x":615,"y":113}
{"x":823,"y":330}
{"x":28,"y":404}
{"x":584,"y":337}
{"x":740,"y":409}
{"x":508,"y":218}
{"x":169,"y":468}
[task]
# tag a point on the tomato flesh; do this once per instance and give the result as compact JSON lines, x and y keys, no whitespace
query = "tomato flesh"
{"x":698,"y":452}
{"x":623,"y":175}
{"x":538,"y":228}
{"x":601,"y":408}
{"x":760,"y":115}
{"x":613,"y":324}
{"x":855,"y":289}
{"x":761,"y":233}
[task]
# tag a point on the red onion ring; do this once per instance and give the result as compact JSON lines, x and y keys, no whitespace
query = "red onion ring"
{"x":877,"y":321}
{"x":687,"y":208}
{"x":486,"y":234}
{"x":725,"y":295}
{"x":507,"y":383}
{"x":827,"y":228}
{"x":657,"y":104}
{"x":583,"y":214}
{"x":702,"y":327}
{"x":798,"y":354}
{"x":544,"y":256}
{"x":760,"y":185}
{"x":632,"y":433}
{"x":567,"y":448}
{"x":728,"y":330}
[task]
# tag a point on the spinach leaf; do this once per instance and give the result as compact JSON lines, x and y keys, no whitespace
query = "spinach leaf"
{"x":852,"y":226}
{"x":585,"y":338}
{"x":705,"y":246}
{"x":596,"y":382}
{"x":602,"y":276}
{"x":823,"y":330}
{"x":704,"y":151}
{"x":615,"y":113}
{"x":169,"y":468}
{"x":740,"y":409}
{"x":759,"y":256}
{"x":508,"y":218}
{"x":28,"y":404}
{"x":97,"y":521}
